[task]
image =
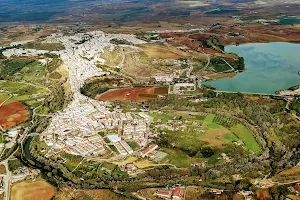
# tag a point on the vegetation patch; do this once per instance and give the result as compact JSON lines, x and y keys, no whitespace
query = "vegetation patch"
{"x":210,"y":123}
{"x":178,"y":158}
{"x":142,"y":164}
{"x":247,"y":137}
{"x":55,"y":75}
{"x":15,"y":164}
{"x":120,"y":41}
{"x":128,"y":160}
{"x":162,"y":116}
{"x":44,"y":46}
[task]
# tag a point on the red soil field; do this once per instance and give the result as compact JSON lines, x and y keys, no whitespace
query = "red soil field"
{"x":136,"y":94}
{"x":238,"y":197}
{"x":12,"y":114}
{"x":263,"y":195}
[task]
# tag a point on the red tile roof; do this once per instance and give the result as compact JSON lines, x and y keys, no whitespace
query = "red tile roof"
{"x":176,"y":192}
{"x":163,"y":192}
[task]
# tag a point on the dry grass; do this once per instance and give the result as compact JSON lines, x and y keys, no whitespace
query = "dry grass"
{"x":293,"y":197}
{"x":290,"y":172}
{"x":222,"y":75}
{"x":215,"y":136}
{"x":164,"y":52}
{"x":142,"y":164}
{"x":103,"y":195}
{"x":192,"y":193}
{"x":2,"y":169}
{"x":128,"y":160}
{"x":32,"y":190}
{"x":133,"y":62}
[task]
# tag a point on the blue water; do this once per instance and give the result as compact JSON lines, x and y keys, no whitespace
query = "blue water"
{"x":270,"y":67}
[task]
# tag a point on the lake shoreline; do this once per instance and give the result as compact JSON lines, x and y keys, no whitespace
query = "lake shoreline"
{"x":270,"y":67}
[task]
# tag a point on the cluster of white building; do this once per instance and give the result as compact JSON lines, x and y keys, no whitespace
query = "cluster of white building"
{"x":23,"y":52}
{"x":129,"y":126}
{"x":122,"y":146}
{"x":75,"y":128}
{"x":87,"y":146}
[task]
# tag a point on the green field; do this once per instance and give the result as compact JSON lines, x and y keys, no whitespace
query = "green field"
{"x":178,"y":158}
{"x":209,"y":122}
{"x":133,"y":145}
{"x":163,"y":116}
{"x":71,"y":160}
{"x":20,"y":91}
{"x":230,"y":137}
{"x":247,"y":137}
{"x":21,"y":78}
{"x":109,"y":166}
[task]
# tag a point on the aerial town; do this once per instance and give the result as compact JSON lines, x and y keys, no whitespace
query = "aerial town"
{"x":171,"y":100}
{"x":76,"y":129}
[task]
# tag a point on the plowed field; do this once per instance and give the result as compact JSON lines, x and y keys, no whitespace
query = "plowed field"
{"x":137,"y":94}
{"x":12,"y":114}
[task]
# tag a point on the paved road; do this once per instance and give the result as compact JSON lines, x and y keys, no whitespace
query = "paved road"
{"x":232,"y":69}
{"x":208,"y":61}
{"x":6,"y":180}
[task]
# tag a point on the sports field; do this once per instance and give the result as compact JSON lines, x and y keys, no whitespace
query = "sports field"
{"x":32,"y":190}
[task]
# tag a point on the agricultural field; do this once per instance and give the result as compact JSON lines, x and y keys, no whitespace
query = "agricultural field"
{"x":67,"y":194}
{"x":163,"y":116}
{"x":32,"y":190}
{"x":26,"y":83}
{"x":12,"y":114}
{"x":247,"y":137}
{"x":140,"y":94}
{"x":202,"y":138}
{"x":12,"y":91}
{"x":104,"y":194}
{"x":163,"y":51}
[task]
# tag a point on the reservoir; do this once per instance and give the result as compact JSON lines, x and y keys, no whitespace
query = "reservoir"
{"x":270,"y":67}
